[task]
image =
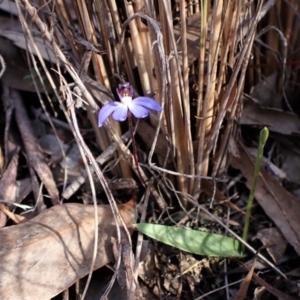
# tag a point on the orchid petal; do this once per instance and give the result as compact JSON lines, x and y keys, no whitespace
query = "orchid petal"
{"x":147,"y":102}
{"x":120,"y":113}
{"x":106,"y":111}
{"x":138,"y":110}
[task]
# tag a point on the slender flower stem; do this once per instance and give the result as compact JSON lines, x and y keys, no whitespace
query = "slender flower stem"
{"x":135,"y":156}
{"x":264,"y":134}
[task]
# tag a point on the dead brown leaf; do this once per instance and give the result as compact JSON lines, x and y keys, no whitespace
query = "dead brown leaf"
{"x":274,"y":241}
{"x":193,"y":24}
{"x":281,"y":206}
{"x":8,"y":184}
{"x":275,"y":119}
{"x":46,"y":255}
{"x":128,"y":284}
{"x":11,"y":29}
{"x":266,"y":91}
{"x":272,"y":290}
{"x":8,"y":180}
{"x":9,"y":7}
{"x":242,"y":292}
{"x":16,"y":67}
{"x":290,"y":160}
{"x":1,"y":160}
{"x":260,"y":292}
{"x":34,"y":153}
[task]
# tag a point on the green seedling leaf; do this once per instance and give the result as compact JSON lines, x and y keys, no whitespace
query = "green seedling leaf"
{"x":263,"y":137}
{"x":193,"y":241}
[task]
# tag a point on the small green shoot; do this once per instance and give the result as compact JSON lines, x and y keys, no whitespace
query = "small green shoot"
{"x":264,"y":134}
{"x":193,"y":241}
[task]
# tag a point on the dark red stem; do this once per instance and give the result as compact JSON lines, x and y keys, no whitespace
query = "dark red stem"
{"x":135,"y":156}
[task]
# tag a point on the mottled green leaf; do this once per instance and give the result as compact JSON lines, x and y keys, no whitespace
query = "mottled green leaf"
{"x":193,"y":241}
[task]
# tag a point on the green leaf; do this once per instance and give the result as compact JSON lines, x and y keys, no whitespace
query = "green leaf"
{"x":263,"y":137}
{"x":193,"y":241}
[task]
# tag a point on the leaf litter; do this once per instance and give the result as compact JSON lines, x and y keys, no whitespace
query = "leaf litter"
{"x":53,"y":250}
{"x":197,"y":74}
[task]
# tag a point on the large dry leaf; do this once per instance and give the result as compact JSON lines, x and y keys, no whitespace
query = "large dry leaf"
{"x":11,"y":29}
{"x":47,"y":254}
{"x":275,"y":119}
{"x":35,"y":158}
{"x":267,"y":91}
{"x":244,"y":287}
{"x":274,"y":241}
{"x":8,"y":179}
{"x":289,"y":159}
{"x":281,"y":206}
{"x":16,"y":67}
{"x":8,"y":184}
{"x":271,"y":289}
{"x":9,"y":7}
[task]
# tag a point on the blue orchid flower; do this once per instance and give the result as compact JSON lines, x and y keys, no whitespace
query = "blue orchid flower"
{"x":139,"y":106}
